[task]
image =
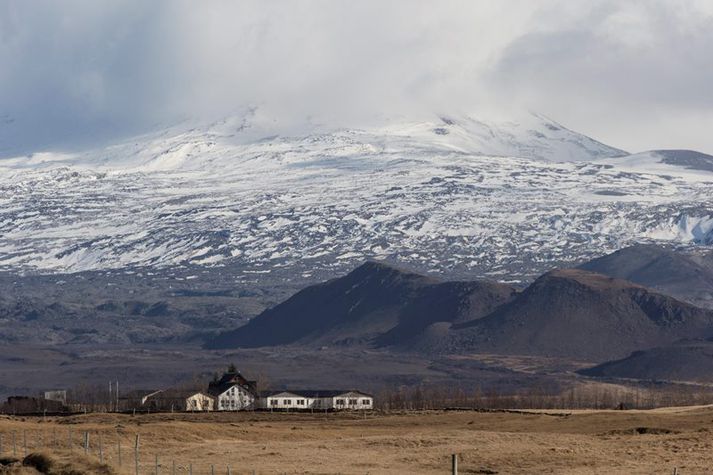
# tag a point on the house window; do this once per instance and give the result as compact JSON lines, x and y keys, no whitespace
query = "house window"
{"x":273,"y":402}
{"x":300,"y":402}
{"x":340,"y":402}
{"x":366,"y":402}
{"x":288,"y":402}
{"x":352,"y":402}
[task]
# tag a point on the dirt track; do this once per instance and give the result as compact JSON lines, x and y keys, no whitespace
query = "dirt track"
{"x":570,"y":442}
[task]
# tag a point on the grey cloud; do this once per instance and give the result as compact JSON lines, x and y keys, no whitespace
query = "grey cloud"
{"x":79,"y":72}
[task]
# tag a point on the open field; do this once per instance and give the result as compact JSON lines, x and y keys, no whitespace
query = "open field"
{"x":571,"y":442}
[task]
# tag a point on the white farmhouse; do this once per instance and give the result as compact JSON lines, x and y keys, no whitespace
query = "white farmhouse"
{"x":233,"y":392}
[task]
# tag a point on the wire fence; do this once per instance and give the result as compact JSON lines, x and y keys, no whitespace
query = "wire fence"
{"x":122,"y":451}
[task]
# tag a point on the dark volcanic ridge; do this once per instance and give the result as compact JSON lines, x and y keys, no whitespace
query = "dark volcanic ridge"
{"x":687,"y":360}
{"x":374,"y":303}
{"x":582,"y":315}
{"x":684,"y":276}
{"x":571,"y":313}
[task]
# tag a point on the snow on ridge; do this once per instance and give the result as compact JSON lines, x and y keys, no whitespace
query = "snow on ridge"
{"x":686,"y":228}
{"x":450,"y":193}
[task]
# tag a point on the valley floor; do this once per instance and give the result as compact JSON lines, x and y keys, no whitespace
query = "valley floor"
{"x":571,"y":442}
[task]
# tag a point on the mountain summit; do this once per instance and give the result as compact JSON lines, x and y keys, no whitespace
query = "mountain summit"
{"x":448,"y":193}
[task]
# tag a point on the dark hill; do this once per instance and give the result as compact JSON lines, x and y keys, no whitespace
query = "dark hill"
{"x":582,"y":315}
{"x":687,"y":159}
{"x":671,"y":272}
{"x":373,"y":302}
{"x":452,"y":302}
{"x":684,"y":361}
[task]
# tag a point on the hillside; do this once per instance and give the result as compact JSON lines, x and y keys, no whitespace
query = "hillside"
{"x":373,"y":302}
{"x":581,"y":315}
{"x":672,"y":272}
{"x":444,"y":193}
{"x":682,"y":361}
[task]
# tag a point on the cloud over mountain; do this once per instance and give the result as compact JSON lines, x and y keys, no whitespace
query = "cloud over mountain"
{"x":81,"y":71}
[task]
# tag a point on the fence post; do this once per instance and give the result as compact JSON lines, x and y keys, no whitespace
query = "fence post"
{"x":173,"y":467}
{"x":454,"y":464}
{"x":86,"y":442}
{"x":229,"y":470}
{"x":54,"y":438}
{"x":101,"y":449}
{"x":0,"y":444}
{"x":14,"y":444}
{"x":24,"y":440}
{"x":136,"y":454}
{"x":212,"y":470}
{"x":156,"y":464}
{"x":118,"y":447}
{"x":69,"y":440}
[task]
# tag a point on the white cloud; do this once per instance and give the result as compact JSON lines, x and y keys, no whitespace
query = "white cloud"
{"x":635,"y":73}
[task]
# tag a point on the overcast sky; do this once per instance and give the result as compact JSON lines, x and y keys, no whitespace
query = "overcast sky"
{"x":634,"y":74}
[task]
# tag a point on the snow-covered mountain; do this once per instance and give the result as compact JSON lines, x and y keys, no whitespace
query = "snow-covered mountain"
{"x":450,"y":194}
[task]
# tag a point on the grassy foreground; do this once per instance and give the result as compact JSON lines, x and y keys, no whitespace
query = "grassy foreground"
{"x":566,"y":442}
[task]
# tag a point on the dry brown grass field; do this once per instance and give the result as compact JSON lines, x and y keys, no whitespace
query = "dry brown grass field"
{"x":564,"y":442}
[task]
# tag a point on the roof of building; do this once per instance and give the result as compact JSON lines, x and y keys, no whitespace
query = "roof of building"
{"x":228,"y":380}
{"x":217,"y":389}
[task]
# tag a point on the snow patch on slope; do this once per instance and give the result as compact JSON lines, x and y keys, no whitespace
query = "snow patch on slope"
{"x":449,"y":194}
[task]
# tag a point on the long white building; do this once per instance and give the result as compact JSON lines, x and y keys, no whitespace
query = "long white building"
{"x":334,"y":400}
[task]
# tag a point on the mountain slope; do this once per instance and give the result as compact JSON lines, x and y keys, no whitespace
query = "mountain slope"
{"x":671,"y":272}
{"x":683,"y":361}
{"x":449,"y":194}
{"x":582,"y":315}
{"x":370,"y":302}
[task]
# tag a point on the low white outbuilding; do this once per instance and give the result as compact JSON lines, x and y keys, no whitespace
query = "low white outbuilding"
{"x":284,"y":400}
{"x":334,"y":400}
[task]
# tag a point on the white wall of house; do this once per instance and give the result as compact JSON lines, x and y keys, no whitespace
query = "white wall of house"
{"x":350,"y":401}
{"x":235,"y":398}
{"x":199,"y":402}
{"x":286,"y":400}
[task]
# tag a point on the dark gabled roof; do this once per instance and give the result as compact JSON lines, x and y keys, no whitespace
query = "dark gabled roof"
{"x":314,"y":393}
{"x":228,"y":380}
{"x":233,"y":377}
{"x":217,"y":388}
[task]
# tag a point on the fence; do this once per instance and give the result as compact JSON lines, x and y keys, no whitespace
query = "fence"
{"x":122,"y":451}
